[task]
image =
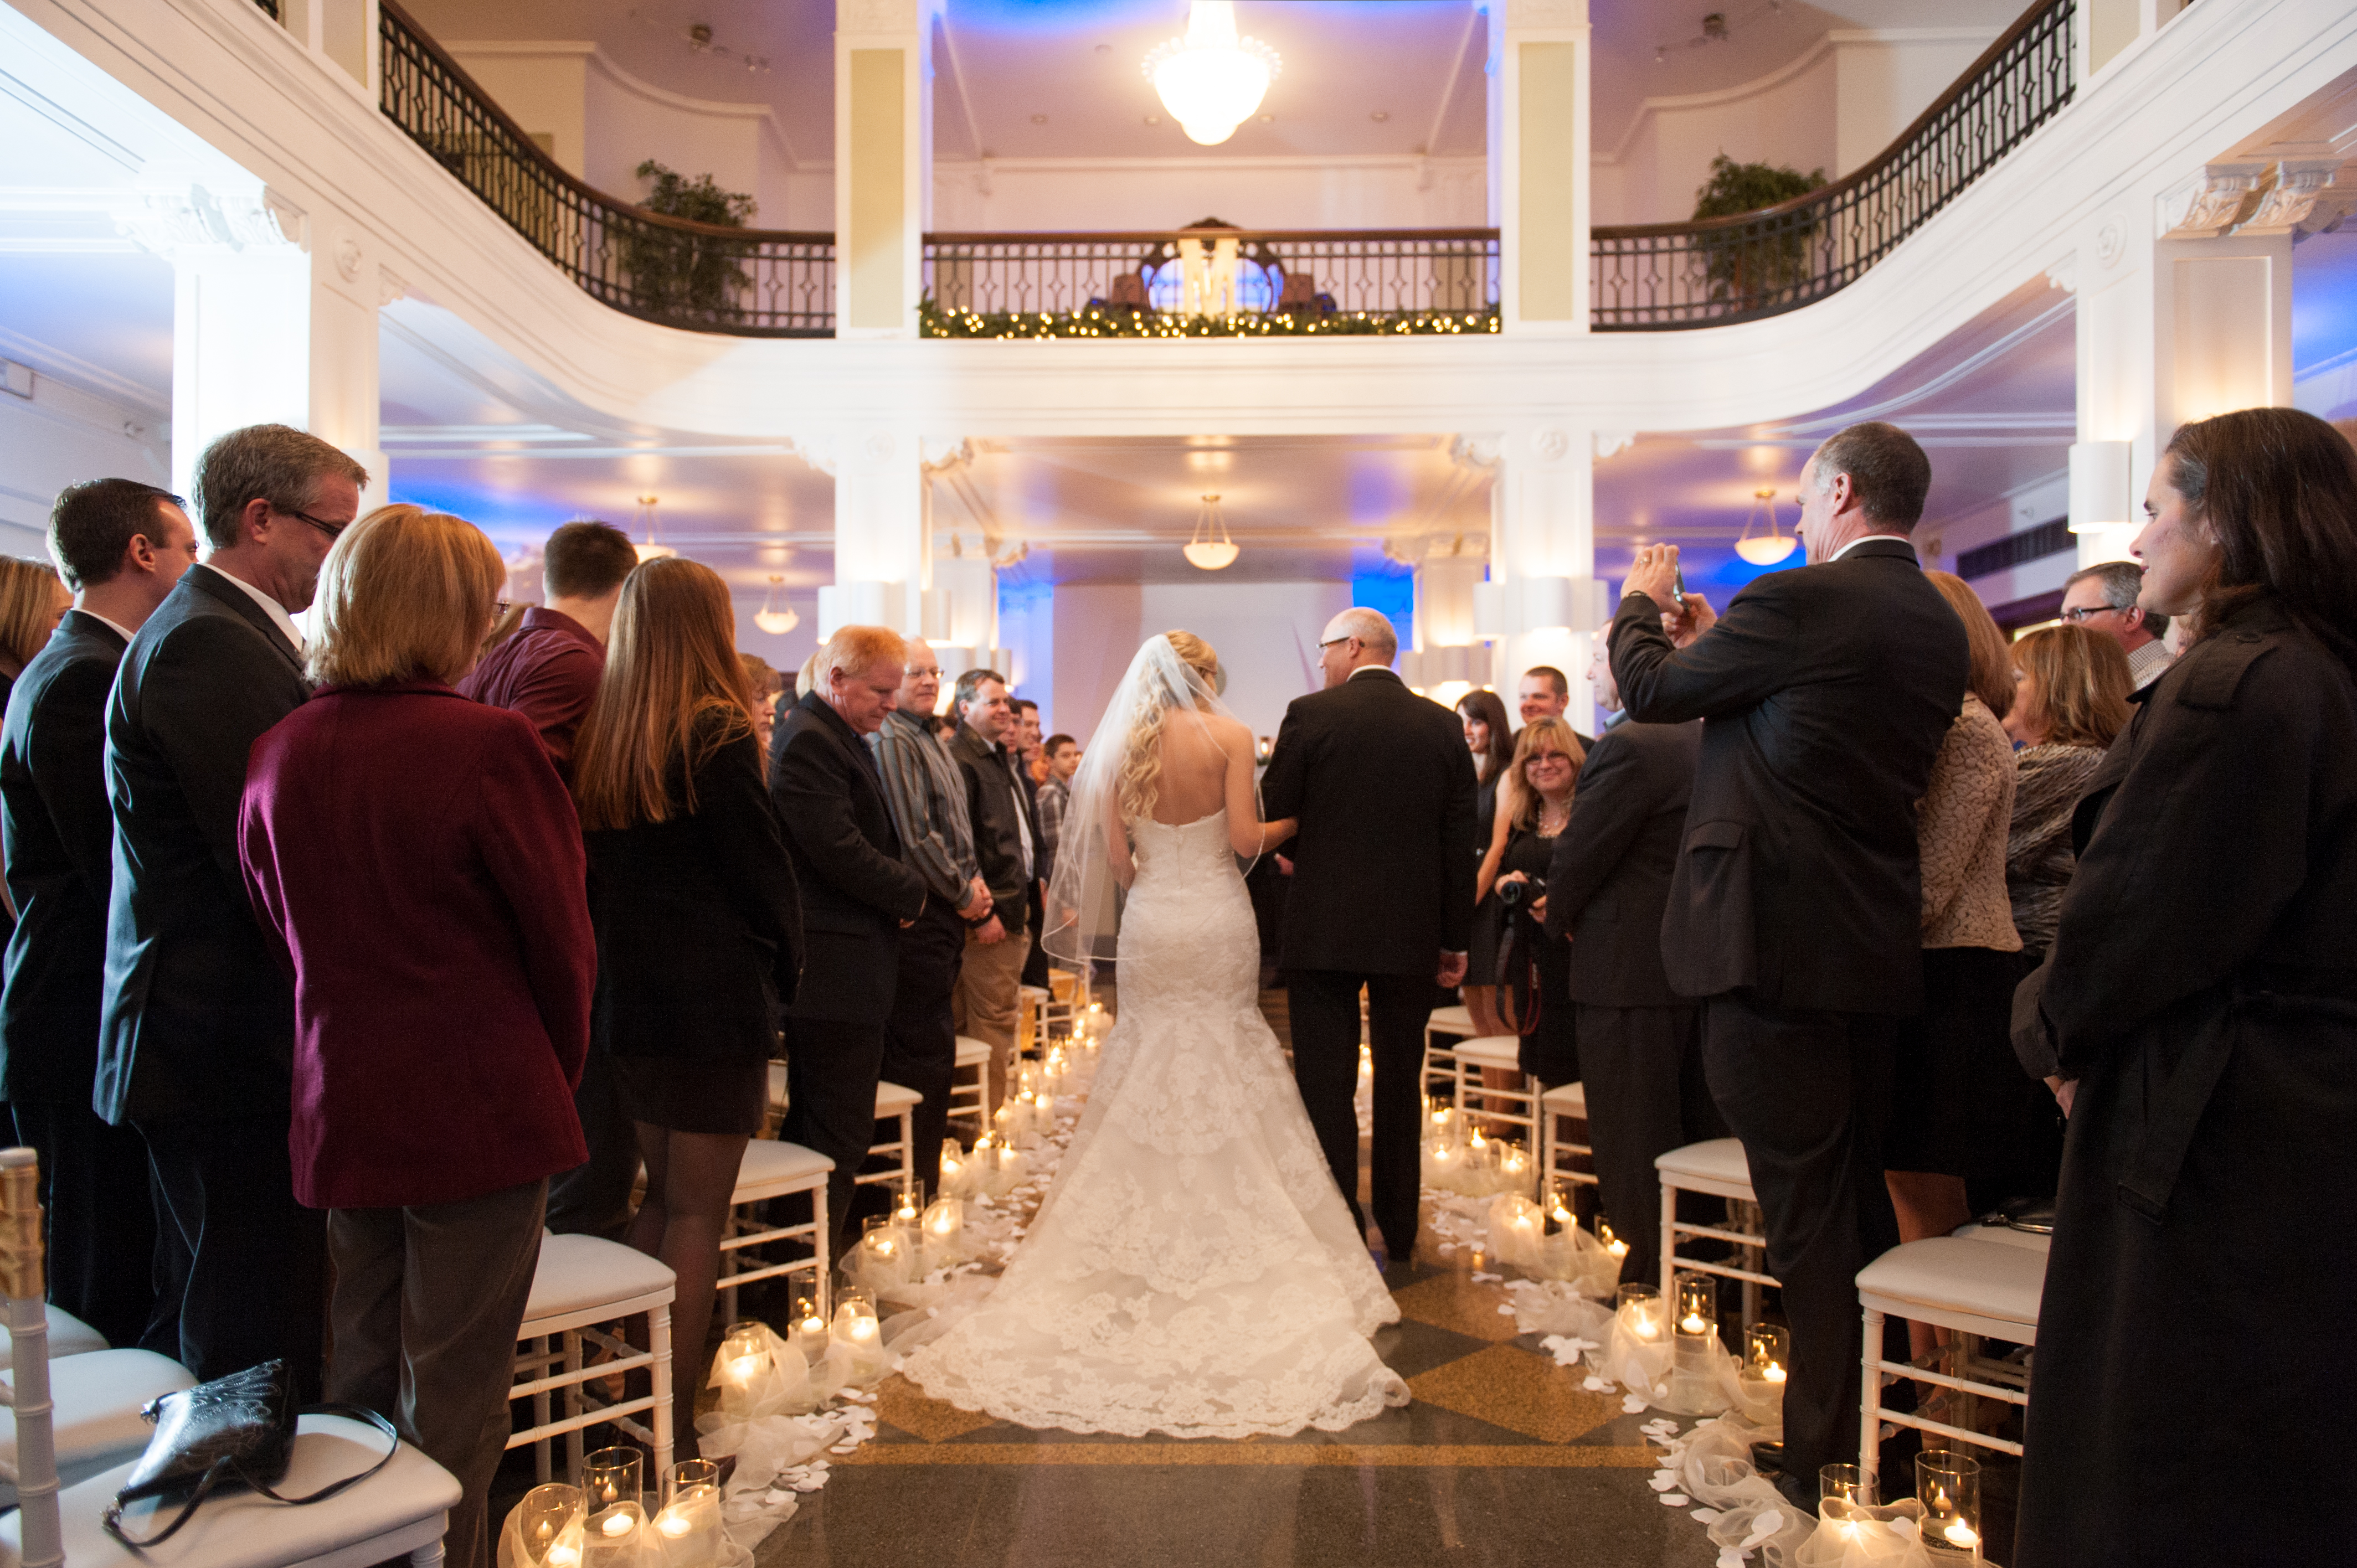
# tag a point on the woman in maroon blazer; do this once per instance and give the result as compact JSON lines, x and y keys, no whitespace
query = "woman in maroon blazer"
{"x":418,"y":865}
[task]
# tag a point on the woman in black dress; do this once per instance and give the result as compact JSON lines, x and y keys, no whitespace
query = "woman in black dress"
{"x":2201,"y":1001}
{"x":699,"y":928}
{"x":1490,"y":737}
{"x":1533,"y":804}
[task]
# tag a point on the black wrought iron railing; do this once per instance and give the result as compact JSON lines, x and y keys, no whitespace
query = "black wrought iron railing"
{"x":1657,"y":277}
{"x":705,"y":276}
{"x":1404,"y":279}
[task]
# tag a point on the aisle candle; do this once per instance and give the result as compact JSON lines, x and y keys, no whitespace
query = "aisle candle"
{"x":549,"y":1524}
{"x":689,"y":1525}
{"x":1769,"y":1351}
{"x":855,"y":1320}
{"x":1639,"y":1308}
{"x":953,"y":1165}
{"x":944,"y":1229}
{"x":1948,"y":1484}
{"x":744,"y":1354}
{"x":810,"y":1331}
{"x":1612,"y":1243}
{"x":910,"y":1205}
{"x":1697,"y":1304}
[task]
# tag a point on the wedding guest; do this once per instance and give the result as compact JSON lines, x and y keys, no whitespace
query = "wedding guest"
{"x":1640,"y":1042}
{"x":1797,"y":911}
{"x":1960,"y":1108}
{"x":1534,"y":805}
{"x":2198,"y":995}
{"x":2103,"y":599}
{"x":699,"y":929}
{"x":1063,"y":754}
{"x":857,"y":897}
{"x":766,"y":681}
{"x":1490,"y":737}
{"x":199,"y":1019}
{"x":121,"y":545}
{"x":1544,"y":694}
{"x":2071,"y":687}
{"x":926,"y":792}
{"x":548,"y":669}
{"x":1030,"y":751}
{"x":1030,"y":760}
{"x":1006,"y":847}
{"x":32,"y":601}
{"x":416,"y":869}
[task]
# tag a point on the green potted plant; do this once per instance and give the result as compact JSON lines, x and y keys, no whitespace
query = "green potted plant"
{"x":1750,"y":263}
{"x":675,"y":274}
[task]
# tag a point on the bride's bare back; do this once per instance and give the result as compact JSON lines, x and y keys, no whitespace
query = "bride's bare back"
{"x":1206,"y":765}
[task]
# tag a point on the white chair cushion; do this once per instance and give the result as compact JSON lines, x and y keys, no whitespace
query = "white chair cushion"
{"x":1491,"y":1050}
{"x":98,"y":1398}
{"x":1450,"y":1021}
{"x":1720,"y":1160}
{"x":770,"y":1160}
{"x":892,"y":1099}
{"x":971,"y":1052}
{"x":410,"y":1495}
{"x":68,"y":1336}
{"x":1566,"y":1099}
{"x":1983,"y":1278}
{"x":578,"y":1272}
{"x":2004,"y":1236}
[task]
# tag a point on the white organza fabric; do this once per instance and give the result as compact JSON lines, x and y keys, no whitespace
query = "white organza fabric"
{"x":1194,"y":1270}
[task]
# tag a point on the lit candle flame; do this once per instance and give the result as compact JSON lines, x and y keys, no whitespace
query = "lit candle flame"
{"x":1959,"y":1533}
{"x":1692,"y":1322}
{"x":617,"y":1523}
{"x":672,"y":1523}
{"x":1775,"y":1373}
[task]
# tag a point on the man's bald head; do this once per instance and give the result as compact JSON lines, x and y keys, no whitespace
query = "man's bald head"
{"x":1358,"y":638}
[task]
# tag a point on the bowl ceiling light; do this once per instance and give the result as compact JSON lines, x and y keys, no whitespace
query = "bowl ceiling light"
{"x":1211,"y":549}
{"x":1763,"y":546}
{"x":1211,"y":81}
{"x":771,"y":619}
{"x":654,"y":549}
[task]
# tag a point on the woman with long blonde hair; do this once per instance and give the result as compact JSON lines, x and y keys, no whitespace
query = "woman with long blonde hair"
{"x":1534,"y":807}
{"x":699,"y":926}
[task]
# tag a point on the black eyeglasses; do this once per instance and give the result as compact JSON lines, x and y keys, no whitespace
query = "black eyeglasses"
{"x":330,"y":529}
{"x":2075,"y":616}
{"x":1336,"y":642}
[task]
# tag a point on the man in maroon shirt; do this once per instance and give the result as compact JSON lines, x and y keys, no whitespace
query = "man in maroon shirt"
{"x":548,"y":669}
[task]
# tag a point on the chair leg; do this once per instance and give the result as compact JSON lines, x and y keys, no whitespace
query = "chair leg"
{"x":1869,"y":1401}
{"x":540,"y":1455}
{"x":909,"y":1149}
{"x":574,"y":1362}
{"x":429,"y":1555}
{"x":1669,"y":1240}
{"x":659,"y":1343}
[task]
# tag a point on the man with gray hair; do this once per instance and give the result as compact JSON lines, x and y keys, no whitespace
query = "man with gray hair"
{"x":1381,"y":899}
{"x":1006,"y":849}
{"x":197,"y":1029}
{"x":2103,"y":599}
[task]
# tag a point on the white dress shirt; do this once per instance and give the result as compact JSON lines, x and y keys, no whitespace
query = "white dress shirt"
{"x":276,"y":611}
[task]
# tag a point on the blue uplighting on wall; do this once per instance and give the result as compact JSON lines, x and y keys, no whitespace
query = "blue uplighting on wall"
{"x":1393,"y":595}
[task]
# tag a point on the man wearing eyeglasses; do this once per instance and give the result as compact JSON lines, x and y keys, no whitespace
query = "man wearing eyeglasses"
{"x":197,"y":1035}
{"x":2103,"y":599}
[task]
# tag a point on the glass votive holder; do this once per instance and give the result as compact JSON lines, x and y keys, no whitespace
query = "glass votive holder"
{"x":611,"y":1476}
{"x":1768,"y":1352}
{"x":1514,"y":1165}
{"x":810,"y":1335}
{"x":1948,"y":1484}
{"x":909,"y":1201}
{"x":614,"y":1537}
{"x":689,"y":1526}
{"x":549,"y":1523}
{"x":882,"y":1239}
{"x":1609,"y":1241}
{"x":1697,"y":1304}
{"x":1845,"y":1485}
{"x":944,"y":1224}
{"x":1561,"y":1206}
{"x":744,"y":1353}
{"x":854,"y":1318}
{"x":1638,"y":1308}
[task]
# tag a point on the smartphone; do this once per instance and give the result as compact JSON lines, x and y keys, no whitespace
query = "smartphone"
{"x":1681,"y":586}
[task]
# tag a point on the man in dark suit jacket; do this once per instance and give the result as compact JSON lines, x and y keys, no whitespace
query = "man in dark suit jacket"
{"x":856,"y":895}
{"x":199,"y":1028}
{"x":1382,"y":897}
{"x":1640,"y":1042}
{"x":1006,"y":848}
{"x":121,"y":545}
{"x":1796,"y":908}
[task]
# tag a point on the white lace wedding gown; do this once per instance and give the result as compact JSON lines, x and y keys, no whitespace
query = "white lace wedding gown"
{"x":1194,"y":1270}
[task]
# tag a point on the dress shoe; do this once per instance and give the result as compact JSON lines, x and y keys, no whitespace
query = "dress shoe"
{"x":1799,"y":1492}
{"x":1768,"y":1458}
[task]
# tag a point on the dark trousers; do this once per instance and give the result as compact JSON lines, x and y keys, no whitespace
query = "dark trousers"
{"x":1324,"y":1009}
{"x":593,"y":1198}
{"x":257,"y":1259}
{"x":99,"y":1199}
{"x":832,"y":1070}
{"x":1642,"y":1068}
{"x":427,"y":1307}
{"x":1035,"y":963}
{"x":919,"y":1039}
{"x":1808,"y":1092}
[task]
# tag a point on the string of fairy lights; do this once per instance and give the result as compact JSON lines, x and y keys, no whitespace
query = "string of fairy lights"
{"x":1094,"y":321}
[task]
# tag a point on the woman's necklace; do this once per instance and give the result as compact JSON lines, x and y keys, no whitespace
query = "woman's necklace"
{"x":1553,"y":818}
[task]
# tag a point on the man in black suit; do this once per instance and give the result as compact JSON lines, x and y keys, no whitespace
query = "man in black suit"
{"x":1640,"y":1042}
{"x":121,"y":545}
{"x":199,"y":1022}
{"x":1006,"y":847}
{"x":1382,"y":898}
{"x":857,"y":897}
{"x":1796,"y":908}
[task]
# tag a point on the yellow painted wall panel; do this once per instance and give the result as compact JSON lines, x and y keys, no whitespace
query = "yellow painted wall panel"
{"x":1548,"y":149}
{"x":873,"y":252}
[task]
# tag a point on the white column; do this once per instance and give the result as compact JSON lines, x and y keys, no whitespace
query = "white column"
{"x":1538,"y":160}
{"x":273,"y":321}
{"x":886,"y":571}
{"x":1542,"y":601}
{"x":883,"y":163}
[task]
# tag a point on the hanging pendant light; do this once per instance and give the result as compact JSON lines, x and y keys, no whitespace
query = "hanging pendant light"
{"x":1211,"y":549}
{"x":1211,"y":81}
{"x":654,"y":549}
{"x":769,"y":617}
{"x":1762,"y":544}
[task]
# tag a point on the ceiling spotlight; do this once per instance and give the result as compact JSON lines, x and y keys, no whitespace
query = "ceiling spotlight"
{"x":1211,"y":81}
{"x":1211,"y":549}
{"x":771,"y":619}
{"x":1763,"y":546}
{"x":654,"y":549}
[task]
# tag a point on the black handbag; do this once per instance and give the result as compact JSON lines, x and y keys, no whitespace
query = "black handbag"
{"x":234,"y":1431}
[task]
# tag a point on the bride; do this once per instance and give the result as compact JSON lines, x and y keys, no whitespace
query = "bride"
{"x":1194,"y":1270}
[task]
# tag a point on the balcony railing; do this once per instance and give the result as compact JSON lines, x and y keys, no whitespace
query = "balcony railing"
{"x":703,"y":276}
{"x":1252,"y":281}
{"x":1657,"y":277}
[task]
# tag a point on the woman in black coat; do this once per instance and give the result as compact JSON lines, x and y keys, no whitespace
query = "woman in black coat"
{"x":699,"y":928}
{"x":2201,"y":998}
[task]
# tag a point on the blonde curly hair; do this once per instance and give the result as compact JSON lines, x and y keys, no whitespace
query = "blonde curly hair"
{"x":1138,"y":785}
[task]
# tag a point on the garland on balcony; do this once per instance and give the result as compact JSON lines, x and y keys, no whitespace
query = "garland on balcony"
{"x":1095,"y":321}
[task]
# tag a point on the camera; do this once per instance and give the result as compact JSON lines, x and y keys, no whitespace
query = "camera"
{"x":1513,"y":894}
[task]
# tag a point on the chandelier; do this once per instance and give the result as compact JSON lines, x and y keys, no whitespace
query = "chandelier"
{"x":769,"y":617}
{"x":654,"y":549}
{"x":1211,"y":549}
{"x":1211,"y":81}
{"x":1762,"y":544}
